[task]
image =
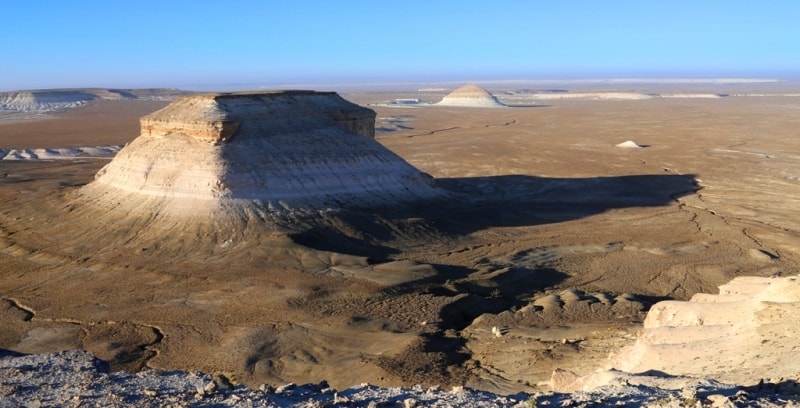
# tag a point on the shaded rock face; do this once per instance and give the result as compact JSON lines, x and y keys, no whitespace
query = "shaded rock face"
{"x":471,"y":96}
{"x":265,"y":151}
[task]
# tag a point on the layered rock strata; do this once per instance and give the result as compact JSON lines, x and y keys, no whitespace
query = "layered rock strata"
{"x":268,"y":151}
{"x":471,"y":96}
{"x":744,"y":334}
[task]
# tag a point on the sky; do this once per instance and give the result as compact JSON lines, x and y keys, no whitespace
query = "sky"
{"x":239,"y":44}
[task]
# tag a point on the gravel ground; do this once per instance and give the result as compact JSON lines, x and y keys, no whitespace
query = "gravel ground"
{"x":76,"y":378}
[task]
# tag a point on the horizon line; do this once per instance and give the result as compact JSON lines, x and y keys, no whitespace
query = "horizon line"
{"x":725,"y":80}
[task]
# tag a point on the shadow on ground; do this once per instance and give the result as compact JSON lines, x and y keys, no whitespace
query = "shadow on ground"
{"x":518,"y":200}
{"x":477,"y":203}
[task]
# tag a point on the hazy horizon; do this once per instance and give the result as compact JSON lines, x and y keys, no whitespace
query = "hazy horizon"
{"x":200,"y":45}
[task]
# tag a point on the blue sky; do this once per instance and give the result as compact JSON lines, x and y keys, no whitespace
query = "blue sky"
{"x":247,"y":44}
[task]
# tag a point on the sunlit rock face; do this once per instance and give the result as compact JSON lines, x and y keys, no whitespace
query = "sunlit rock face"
{"x":270,"y":151}
{"x":746,"y":333}
{"x":471,"y":96}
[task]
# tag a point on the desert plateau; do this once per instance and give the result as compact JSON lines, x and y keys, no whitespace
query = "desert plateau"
{"x":505,"y":238}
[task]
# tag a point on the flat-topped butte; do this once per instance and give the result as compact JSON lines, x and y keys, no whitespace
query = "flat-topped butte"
{"x":266,"y":151}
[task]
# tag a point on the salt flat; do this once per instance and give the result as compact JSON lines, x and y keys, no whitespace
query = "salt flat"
{"x":551,"y":234}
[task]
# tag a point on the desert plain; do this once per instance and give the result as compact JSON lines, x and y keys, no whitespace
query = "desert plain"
{"x":548,"y":247}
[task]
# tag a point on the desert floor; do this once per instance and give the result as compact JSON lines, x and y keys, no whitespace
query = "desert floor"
{"x":549,"y":250}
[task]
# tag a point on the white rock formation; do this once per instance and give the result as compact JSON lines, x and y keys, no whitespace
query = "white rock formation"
{"x":244,"y":152}
{"x":630,"y":144}
{"x":471,"y":96}
{"x":746,"y":333}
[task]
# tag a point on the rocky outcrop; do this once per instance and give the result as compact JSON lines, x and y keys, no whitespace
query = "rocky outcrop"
{"x":268,"y":151}
{"x":471,"y":96}
{"x":82,"y":379}
{"x":744,"y":334}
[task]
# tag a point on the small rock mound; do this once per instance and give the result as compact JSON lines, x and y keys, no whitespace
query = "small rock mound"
{"x":575,"y":306}
{"x":630,"y":144}
{"x":471,"y":96}
{"x":58,"y":153}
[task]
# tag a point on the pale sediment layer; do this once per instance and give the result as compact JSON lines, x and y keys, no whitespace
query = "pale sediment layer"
{"x":260,"y":152}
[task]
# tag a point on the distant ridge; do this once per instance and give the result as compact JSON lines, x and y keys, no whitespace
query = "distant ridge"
{"x":59,"y":153}
{"x":51,"y":100}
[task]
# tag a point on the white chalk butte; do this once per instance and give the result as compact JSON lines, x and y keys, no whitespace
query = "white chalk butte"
{"x":746,"y":333}
{"x":471,"y":96}
{"x":630,"y":144}
{"x":266,"y":151}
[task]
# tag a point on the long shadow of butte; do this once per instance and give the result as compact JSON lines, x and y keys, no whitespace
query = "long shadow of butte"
{"x":520,"y":200}
{"x":477,"y":203}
